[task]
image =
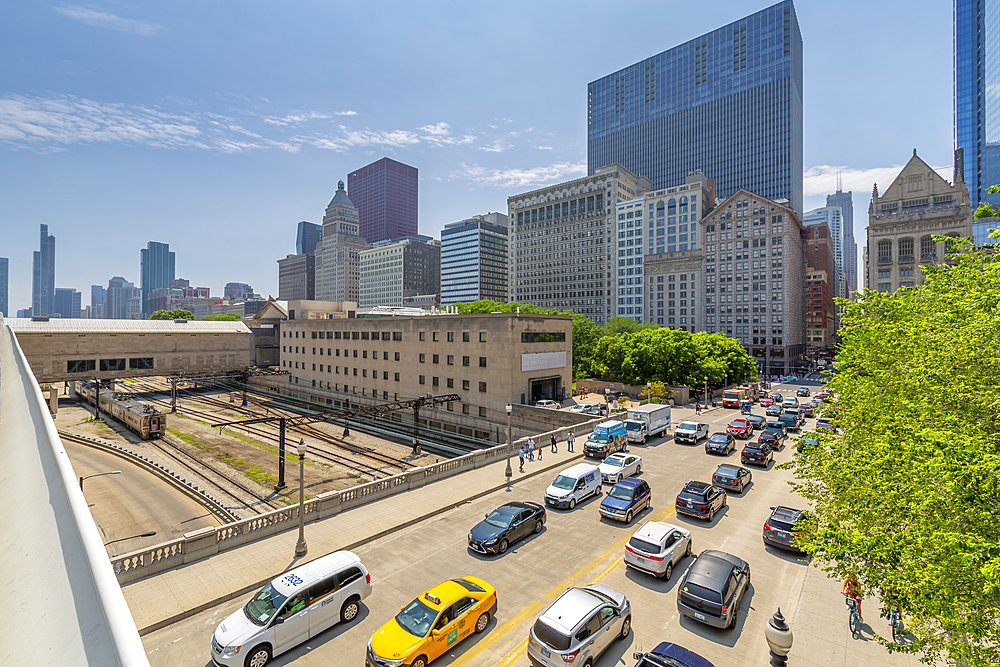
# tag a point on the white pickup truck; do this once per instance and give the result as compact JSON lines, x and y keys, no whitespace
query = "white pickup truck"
{"x":690,"y":432}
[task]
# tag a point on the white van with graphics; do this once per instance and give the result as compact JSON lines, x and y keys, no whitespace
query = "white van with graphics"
{"x":295,"y":607}
{"x":574,"y":485}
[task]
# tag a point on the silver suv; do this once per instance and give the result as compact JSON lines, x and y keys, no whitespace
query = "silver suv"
{"x":579,"y":626}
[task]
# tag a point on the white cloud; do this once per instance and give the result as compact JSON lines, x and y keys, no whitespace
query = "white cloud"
{"x":295,"y":119}
{"x":345,"y":113}
{"x":822,"y":179}
{"x":98,"y":19}
{"x":496,"y":147}
{"x":520,"y":178}
{"x":439,"y":134}
{"x":545,"y":148}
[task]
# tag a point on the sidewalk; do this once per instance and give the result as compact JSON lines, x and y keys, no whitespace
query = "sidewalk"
{"x":161,"y":600}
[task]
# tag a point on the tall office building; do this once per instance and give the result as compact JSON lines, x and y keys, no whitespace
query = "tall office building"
{"x":821,"y":287}
{"x":307,"y":236}
{"x":98,"y":302}
{"x":4,"y":283}
{"x":67,"y":303}
{"x":43,"y":274}
{"x":297,"y":277}
{"x":977,"y":111}
{"x":392,"y":270}
{"x":385,"y":194}
{"x":728,"y":103}
{"x":845,"y":201}
{"x":122,"y":297}
{"x":157,"y":271}
{"x":237,"y":291}
{"x":832,"y":217}
{"x":474,"y":260}
{"x":337,"y":256}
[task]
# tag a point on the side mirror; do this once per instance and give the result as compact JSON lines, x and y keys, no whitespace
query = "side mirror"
{"x":278,"y":620}
{"x":638,"y":655}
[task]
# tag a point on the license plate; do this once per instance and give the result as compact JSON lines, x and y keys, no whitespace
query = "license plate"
{"x":690,"y":504}
{"x":700,"y":617}
{"x":641,"y":559}
{"x":546,"y":653}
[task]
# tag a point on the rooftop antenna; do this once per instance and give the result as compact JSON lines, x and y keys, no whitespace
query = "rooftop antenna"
{"x":840,"y":183}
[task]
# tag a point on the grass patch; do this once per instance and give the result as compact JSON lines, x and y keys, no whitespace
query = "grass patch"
{"x":189,"y":439}
{"x":256,"y":473}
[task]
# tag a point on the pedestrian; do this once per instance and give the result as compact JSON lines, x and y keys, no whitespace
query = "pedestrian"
{"x":539,"y":451}
{"x":569,"y":440}
{"x":555,"y":450}
{"x":531,"y":449}
{"x":520,"y":456}
{"x":697,"y":409}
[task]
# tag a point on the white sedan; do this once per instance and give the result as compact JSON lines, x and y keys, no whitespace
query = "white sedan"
{"x":619,"y":466}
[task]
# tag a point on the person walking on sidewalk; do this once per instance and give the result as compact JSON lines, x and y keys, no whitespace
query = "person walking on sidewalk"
{"x":539,"y":451}
{"x":555,"y":450}
{"x":520,"y":456}
{"x":531,"y":449}
{"x":569,"y":441}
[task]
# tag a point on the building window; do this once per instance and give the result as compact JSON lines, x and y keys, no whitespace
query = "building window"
{"x":421,"y":379}
{"x":451,"y":359}
{"x":397,"y":356}
{"x":465,"y":361}
{"x":434,"y":381}
{"x":421,"y":357}
{"x":80,"y":365}
{"x":435,"y":358}
{"x":423,"y":336}
{"x":482,"y":387}
{"x":143,"y":363}
{"x":884,"y":251}
{"x":465,"y":385}
{"x":482,"y":411}
{"x":465,"y":336}
{"x":436,"y":336}
{"x":482,"y":362}
{"x":396,"y":376}
{"x":112,"y":364}
{"x":465,"y":408}
{"x":451,"y":336}
{"x":451,"y":383}
{"x":482,"y":336}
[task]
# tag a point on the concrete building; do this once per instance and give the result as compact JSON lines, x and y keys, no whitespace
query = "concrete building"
{"x":4,"y":286}
{"x":67,"y":303}
{"x":728,"y":103}
{"x":821,"y":287}
{"x":156,"y":271}
{"x":385,"y":194}
{"x":845,"y":200}
{"x":307,"y":237}
{"x":676,"y":285}
{"x":120,"y":291}
{"x":238,"y":292}
{"x":164,"y":298}
{"x":392,"y":270}
{"x":337,"y":256}
{"x":755,"y":278}
{"x":43,"y":274}
{"x":488,"y":360}
{"x":918,"y":205}
{"x":562,"y":242}
{"x":297,"y":277}
{"x":832,"y":217}
{"x":474,"y":259}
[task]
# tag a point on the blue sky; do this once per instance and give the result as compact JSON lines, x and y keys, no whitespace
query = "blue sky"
{"x":217,"y":126}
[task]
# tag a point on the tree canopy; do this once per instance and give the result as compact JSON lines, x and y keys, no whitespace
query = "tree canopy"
{"x":223,"y":317}
{"x":177,"y":314}
{"x":907,"y":495}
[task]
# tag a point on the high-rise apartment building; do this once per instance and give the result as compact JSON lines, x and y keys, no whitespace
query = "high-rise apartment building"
{"x":845,"y":201}
{"x":67,"y":303}
{"x":98,"y":302}
{"x":122,"y":297}
{"x":337,"y":256}
{"x":43,"y":274}
{"x":156,"y":271}
{"x":307,"y":237}
{"x":728,"y":103}
{"x":4,"y":285}
{"x":832,"y":217}
{"x":563,"y":246}
{"x":385,"y":194}
{"x":392,"y":270}
{"x":474,"y":260}
{"x":821,"y":287}
{"x":297,"y":277}
{"x":977,"y":112}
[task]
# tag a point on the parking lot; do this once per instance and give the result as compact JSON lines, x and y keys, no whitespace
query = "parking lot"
{"x":578,"y":547}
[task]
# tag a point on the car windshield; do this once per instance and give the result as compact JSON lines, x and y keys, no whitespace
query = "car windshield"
{"x":563,"y":482}
{"x":726,"y":473}
{"x":598,"y":437}
{"x":264,"y":605}
{"x":643,"y":545}
{"x":616,"y":462}
{"x":550,"y":636}
{"x":718,"y":437}
{"x":754,"y":447}
{"x":688,"y":426}
{"x":632,"y":426}
{"x":621,"y":493}
{"x":499,"y":519}
{"x":780,"y":525}
{"x":416,"y":618}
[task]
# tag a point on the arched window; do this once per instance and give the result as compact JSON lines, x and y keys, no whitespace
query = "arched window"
{"x":905,"y":247}
{"x":885,"y":252}
{"x":659,"y":209}
{"x":672,"y":207}
{"x":928,"y":248}
{"x":684,"y":205}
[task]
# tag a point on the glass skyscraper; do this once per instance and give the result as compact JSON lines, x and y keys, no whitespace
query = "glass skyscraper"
{"x":385,"y":194}
{"x":156,"y":264}
{"x":43,"y":274}
{"x":3,"y":287}
{"x":977,"y":109}
{"x":308,"y":235}
{"x":728,"y":103}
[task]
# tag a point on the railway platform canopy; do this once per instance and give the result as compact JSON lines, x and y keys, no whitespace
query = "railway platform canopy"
{"x":61,"y":350}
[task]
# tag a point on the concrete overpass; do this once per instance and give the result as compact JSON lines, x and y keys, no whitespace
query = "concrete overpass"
{"x":64,"y":604}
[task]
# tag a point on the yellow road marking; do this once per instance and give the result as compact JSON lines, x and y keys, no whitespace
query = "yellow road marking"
{"x":518,"y":651}
{"x":493,"y":636}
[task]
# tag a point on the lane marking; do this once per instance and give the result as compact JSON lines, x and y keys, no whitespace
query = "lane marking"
{"x":495,"y":635}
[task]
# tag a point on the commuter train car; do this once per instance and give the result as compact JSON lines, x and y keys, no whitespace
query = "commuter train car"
{"x":137,"y":415}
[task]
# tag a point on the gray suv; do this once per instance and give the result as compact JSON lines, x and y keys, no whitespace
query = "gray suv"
{"x":713,"y":587}
{"x":579,"y":626}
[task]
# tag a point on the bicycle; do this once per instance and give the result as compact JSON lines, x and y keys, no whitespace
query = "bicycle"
{"x":896,"y":622}
{"x":853,"y":619}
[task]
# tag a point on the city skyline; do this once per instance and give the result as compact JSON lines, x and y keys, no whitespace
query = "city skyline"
{"x":199,"y":155}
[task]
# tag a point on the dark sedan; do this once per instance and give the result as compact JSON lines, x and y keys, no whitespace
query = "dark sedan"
{"x":757,"y":453}
{"x":732,"y":477}
{"x":806,"y":443}
{"x":757,"y":421}
{"x":774,"y":410}
{"x":720,"y":443}
{"x":505,"y":525}
{"x":670,"y":655}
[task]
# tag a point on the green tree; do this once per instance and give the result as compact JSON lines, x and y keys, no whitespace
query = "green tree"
{"x":585,"y":337}
{"x":222,"y":317}
{"x":984,"y":211}
{"x":907,"y":495}
{"x":618,"y":325}
{"x":178,"y":314}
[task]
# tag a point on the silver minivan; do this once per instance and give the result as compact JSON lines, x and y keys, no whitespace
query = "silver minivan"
{"x":579,"y":626}
{"x":294,"y":607}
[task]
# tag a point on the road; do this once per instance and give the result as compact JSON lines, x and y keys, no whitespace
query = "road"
{"x":134,"y":502}
{"x":575,"y":548}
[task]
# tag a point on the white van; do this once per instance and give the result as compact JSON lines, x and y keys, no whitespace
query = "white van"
{"x":574,"y":485}
{"x":296,"y":606}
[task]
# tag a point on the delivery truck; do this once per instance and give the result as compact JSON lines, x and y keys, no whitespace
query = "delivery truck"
{"x":646,"y":421}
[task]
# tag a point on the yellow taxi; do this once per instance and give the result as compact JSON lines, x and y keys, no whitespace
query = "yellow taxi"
{"x":432,"y":623}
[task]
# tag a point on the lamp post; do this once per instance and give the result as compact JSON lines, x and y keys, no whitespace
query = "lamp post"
{"x":725,"y":380}
{"x":649,"y":392}
{"x":300,"y":547}
{"x":113,"y":472}
{"x":149,"y":534}
{"x":508,"y":472}
{"x":779,"y":639}
{"x":706,"y":391}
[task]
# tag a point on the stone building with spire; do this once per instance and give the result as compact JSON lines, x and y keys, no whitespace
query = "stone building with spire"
{"x":918,"y":205}
{"x":337,"y":263}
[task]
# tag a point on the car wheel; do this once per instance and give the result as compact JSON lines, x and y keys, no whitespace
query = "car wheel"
{"x":732,"y":622}
{"x":687,"y":552}
{"x":503,"y":546}
{"x":350,"y":610}
{"x":628,"y":517}
{"x":482,"y":621}
{"x":617,"y":479}
{"x":668,"y":572}
{"x":711,"y":515}
{"x":572,"y":503}
{"x":419,"y":662}
{"x":538,"y":526}
{"x":638,"y":469}
{"x":741,"y":488}
{"x":258,"y":657}
{"x":626,"y":626}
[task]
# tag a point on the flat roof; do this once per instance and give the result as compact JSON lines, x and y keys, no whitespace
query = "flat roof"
{"x":79,"y":326}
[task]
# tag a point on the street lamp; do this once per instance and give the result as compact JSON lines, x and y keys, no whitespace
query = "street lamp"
{"x":113,"y":472}
{"x":300,"y":547}
{"x":649,"y":392}
{"x":706,"y":391}
{"x":779,"y":639}
{"x":509,"y":473}
{"x":149,"y":534}
{"x":725,"y":380}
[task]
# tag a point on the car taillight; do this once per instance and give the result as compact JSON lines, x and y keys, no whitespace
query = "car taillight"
{"x":656,"y":558}
{"x":767,"y":526}
{"x":368,"y":578}
{"x":723,"y":609}
{"x":570,"y":657}
{"x":701,"y":507}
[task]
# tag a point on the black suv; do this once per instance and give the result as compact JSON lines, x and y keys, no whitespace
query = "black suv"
{"x":758,"y":453}
{"x":720,"y":443}
{"x":701,"y":500}
{"x":779,"y":529}
{"x":713,"y":587}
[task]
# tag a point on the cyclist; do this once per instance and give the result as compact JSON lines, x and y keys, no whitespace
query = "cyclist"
{"x":852,"y":589}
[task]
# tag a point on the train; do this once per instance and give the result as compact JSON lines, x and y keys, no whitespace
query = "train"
{"x":137,"y":415}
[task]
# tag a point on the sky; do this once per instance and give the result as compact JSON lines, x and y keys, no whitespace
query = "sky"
{"x":217,"y":126}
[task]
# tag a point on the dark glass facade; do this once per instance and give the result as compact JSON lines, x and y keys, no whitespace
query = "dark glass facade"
{"x":474,"y":261}
{"x":307,"y":236}
{"x":977,"y":116}
{"x":156,"y":271}
{"x":385,"y":194}
{"x":43,"y":274}
{"x":728,"y":103}
{"x":3,"y":287}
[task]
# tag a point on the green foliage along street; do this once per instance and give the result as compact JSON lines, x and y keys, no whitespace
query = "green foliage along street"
{"x":907,"y":495}
{"x":178,"y":314}
{"x":223,"y":317}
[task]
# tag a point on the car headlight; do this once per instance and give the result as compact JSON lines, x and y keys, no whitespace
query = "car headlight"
{"x":490,"y":543}
{"x":230,"y":651}
{"x":470,"y":535}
